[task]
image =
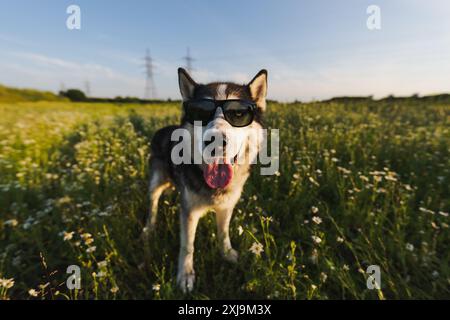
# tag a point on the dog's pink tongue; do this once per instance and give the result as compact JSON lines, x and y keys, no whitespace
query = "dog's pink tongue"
{"x":218,"y":175}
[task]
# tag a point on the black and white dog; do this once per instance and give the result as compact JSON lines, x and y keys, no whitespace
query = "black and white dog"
{"x":224,"y":113}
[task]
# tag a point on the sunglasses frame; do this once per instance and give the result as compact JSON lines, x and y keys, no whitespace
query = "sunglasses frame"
{"x":221,"y":103}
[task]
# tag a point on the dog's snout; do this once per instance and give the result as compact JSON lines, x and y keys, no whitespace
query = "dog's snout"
{"x":222,"y":143}
{"x":224,"y":140}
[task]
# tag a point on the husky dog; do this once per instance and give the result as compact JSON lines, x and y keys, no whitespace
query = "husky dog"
{"x":232,"y":112}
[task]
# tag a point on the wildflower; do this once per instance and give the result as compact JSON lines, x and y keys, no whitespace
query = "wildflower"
{"x":256,"y":248}
{"x":114,"y":289}
{"x":91,"y":249}
{"x":314,"y":182}
{"x":7,"y":283}
{"x":316,"y":239}
{"x":101,"y":274}
{"x":314,"y":209}
{"x":344,"y":170}
{"x":434,"y":225}
{"x":86,"y":235}
{"x":424,"y":210}
{"x":156,"y":287}
{"x":289,"y":256}
{"x":314,"y":256}
{"x":317,"y":220}
{"x":364,"y":178}
{"x":64,"y":200}
{"x":444,"y":214}
{"x":11,"y":223}
{"x":377,"y":178}
{"x":323,"y":276}
{"x":345,"y":267}
{"x":88,"y":241}
{"x":240,"y":230}
{"x":340,"y":239}
{"x":67,"y":235}
{"x":409,"y":247}
{"x":313,"y":286}
{"x":102,"y":264}
{"x":390,"y":178}
{"x":33,"y":293}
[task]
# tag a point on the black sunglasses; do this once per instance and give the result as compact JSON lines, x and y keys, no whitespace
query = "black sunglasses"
{"x":238,"y":113}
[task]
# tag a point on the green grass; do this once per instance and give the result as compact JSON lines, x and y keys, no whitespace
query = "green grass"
{"x":375,"y":174}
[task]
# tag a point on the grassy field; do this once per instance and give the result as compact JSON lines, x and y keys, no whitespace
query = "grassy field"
{"x":9,"y":95}
{"x":359,"y":184}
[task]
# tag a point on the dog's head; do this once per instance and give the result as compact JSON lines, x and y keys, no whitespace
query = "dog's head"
{"x":223,"y":141}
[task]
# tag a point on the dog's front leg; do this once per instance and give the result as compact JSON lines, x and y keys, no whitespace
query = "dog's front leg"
{"x":188,"y":224}
{"x":223,"y":218}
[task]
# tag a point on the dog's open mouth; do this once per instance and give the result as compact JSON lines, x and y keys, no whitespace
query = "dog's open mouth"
{"x":218,"y":175}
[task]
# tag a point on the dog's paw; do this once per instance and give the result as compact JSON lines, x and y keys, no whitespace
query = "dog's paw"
{"x":231,"y":255}
{"x":185,"y":281}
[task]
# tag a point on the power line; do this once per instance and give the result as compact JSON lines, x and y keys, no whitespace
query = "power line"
{"x":150,"y":88}
{"x":188,"y":58}
{"x":87,"y":88}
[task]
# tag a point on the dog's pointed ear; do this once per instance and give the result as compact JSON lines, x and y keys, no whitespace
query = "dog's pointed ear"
{"x":186,"y":83}
{"x":258,"y":88}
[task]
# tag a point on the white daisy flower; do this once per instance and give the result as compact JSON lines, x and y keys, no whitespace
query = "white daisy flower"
{"x":316,"y":239}
{"x":317,"y":220}
{"x":256,"y":248}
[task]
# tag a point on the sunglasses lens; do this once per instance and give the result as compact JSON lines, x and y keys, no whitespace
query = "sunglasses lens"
{"x":200,"y":111}
{"x":238,"y":113}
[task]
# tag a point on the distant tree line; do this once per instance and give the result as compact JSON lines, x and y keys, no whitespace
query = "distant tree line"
{"x":77,"y":95}
{"x":438,"y":98}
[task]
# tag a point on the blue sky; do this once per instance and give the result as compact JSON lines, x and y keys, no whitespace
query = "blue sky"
{"x":312,"y":49}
